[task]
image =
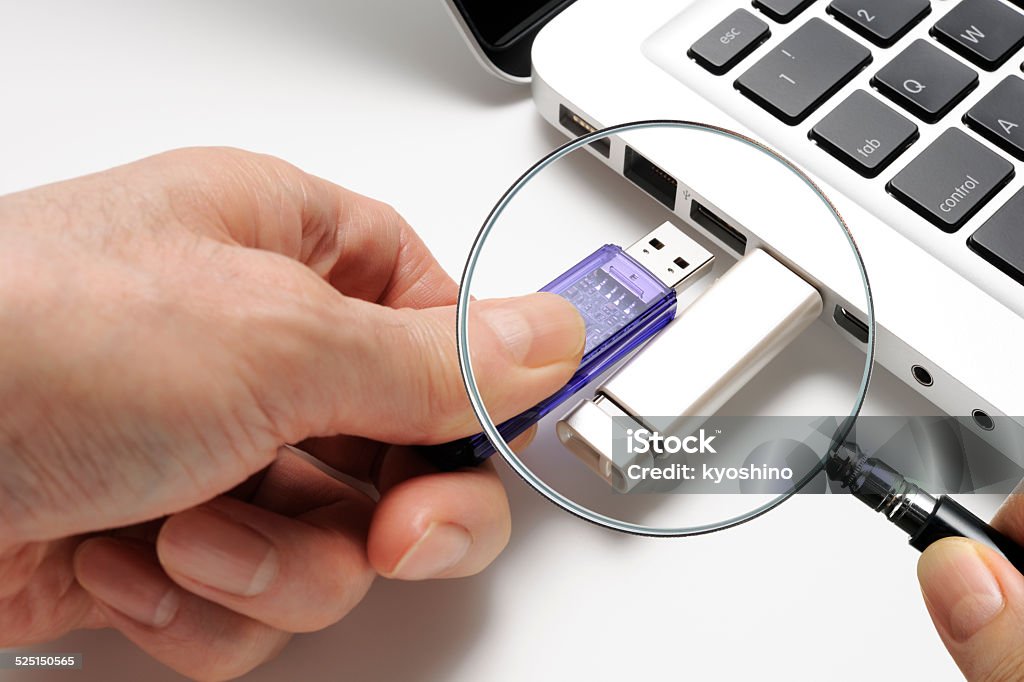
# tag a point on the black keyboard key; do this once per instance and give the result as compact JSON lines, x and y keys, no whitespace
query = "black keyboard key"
{"x":1000,"y":115}
{"x":864,"y":134}
{"x":1000,"y":240}
{"x":925,"y":81}
{"x":782,"y":11}
{"x":986,"y":32}
{"x":883,"y":22}
{"x":951,"y":180}
{"x":729,"y":42}
{"x":803,"y":71}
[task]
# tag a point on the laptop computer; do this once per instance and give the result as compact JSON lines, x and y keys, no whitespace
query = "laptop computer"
{"x":909,"y":114}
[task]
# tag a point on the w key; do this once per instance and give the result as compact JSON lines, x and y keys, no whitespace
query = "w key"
{"x":805,"y":69}
{"x":986,"y":32}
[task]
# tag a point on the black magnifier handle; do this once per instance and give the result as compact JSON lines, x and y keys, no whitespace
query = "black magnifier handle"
{"x":950,"y":519}
{"x":925,"y":518}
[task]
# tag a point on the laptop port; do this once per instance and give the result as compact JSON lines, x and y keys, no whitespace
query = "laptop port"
{"x":718,"y":228}
{"x":984,"y":420}
{"x":851,"y":324}
{"x":579,"y":127}
{"x":921,"y":375}
{"x":650,"y":178}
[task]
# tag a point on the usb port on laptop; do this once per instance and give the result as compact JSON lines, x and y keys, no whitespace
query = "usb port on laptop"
{"x":579,"y":127}
{"x":651,"y":179}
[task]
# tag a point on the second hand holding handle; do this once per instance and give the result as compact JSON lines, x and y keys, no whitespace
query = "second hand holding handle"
{"x":925,"y":518}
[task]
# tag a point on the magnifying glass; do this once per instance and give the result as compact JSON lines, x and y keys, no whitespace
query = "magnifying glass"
{"x":709,"y":392}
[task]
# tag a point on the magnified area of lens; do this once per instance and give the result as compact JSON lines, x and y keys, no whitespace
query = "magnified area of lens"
{"x":707,"y":270}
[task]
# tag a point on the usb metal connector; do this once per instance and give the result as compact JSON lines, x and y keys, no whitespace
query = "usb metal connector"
{"x":671,"y":256}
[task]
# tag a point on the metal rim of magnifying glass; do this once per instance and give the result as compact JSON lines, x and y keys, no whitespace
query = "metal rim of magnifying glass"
{"x":469,"y":379}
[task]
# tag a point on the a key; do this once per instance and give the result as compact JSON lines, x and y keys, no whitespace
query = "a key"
{"x":925,"y":81}
{"x":729,"y":42}
{"x":1000,"y":240}
{"x":782,"y":11}
{"x":803,"y":71}
{"x":864,"y":134}
{"x":951,"y":180}
{"x":999,"y":116}
{"x":985,"y":32}
{"x":883,"y":22}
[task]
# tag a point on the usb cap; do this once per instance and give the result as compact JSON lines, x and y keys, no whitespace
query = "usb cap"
{"x":671,"y":256}
{"x":588,"y":433}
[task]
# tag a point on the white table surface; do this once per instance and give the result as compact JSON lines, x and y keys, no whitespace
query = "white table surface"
{"x":381,"y":96}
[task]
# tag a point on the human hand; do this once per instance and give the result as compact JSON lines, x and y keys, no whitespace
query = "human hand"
{"x":976,"y":600}
{"x":165,"y":328}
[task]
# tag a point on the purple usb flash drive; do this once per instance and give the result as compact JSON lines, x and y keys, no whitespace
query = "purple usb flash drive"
{"x":625,"y":296}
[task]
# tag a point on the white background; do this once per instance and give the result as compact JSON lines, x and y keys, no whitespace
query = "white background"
{"x":381,"y":96}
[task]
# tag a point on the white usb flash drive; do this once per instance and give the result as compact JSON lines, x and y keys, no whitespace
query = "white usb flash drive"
{"x":712,"y":349}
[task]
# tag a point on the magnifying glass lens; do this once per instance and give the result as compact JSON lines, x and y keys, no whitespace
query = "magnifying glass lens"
{"x":713,"y":287}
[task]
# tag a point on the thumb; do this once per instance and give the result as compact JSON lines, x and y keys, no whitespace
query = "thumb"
{"x":976,"y":600}
{"x":393,"y":375}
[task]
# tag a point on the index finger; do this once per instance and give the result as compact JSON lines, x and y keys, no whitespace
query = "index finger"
{"x":362,"y":247}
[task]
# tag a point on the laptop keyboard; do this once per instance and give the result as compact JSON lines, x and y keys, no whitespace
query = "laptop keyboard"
{"x":948,"y":181}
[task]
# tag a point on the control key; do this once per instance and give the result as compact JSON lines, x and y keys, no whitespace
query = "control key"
{"x":951,"y":180}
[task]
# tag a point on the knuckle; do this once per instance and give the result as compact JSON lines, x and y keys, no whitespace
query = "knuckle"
{"x":276,"y":342}
{"x":214,"y":159}
{"x":196,"y":180}
{"x":399,"y":336}
{"x":330,"y":580}
{"x":445,"y":406}
{"x":374,"y":223}
{"x":380,"y":217}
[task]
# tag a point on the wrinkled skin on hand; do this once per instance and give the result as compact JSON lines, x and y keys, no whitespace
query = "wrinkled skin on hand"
{"x":165,"y":328}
